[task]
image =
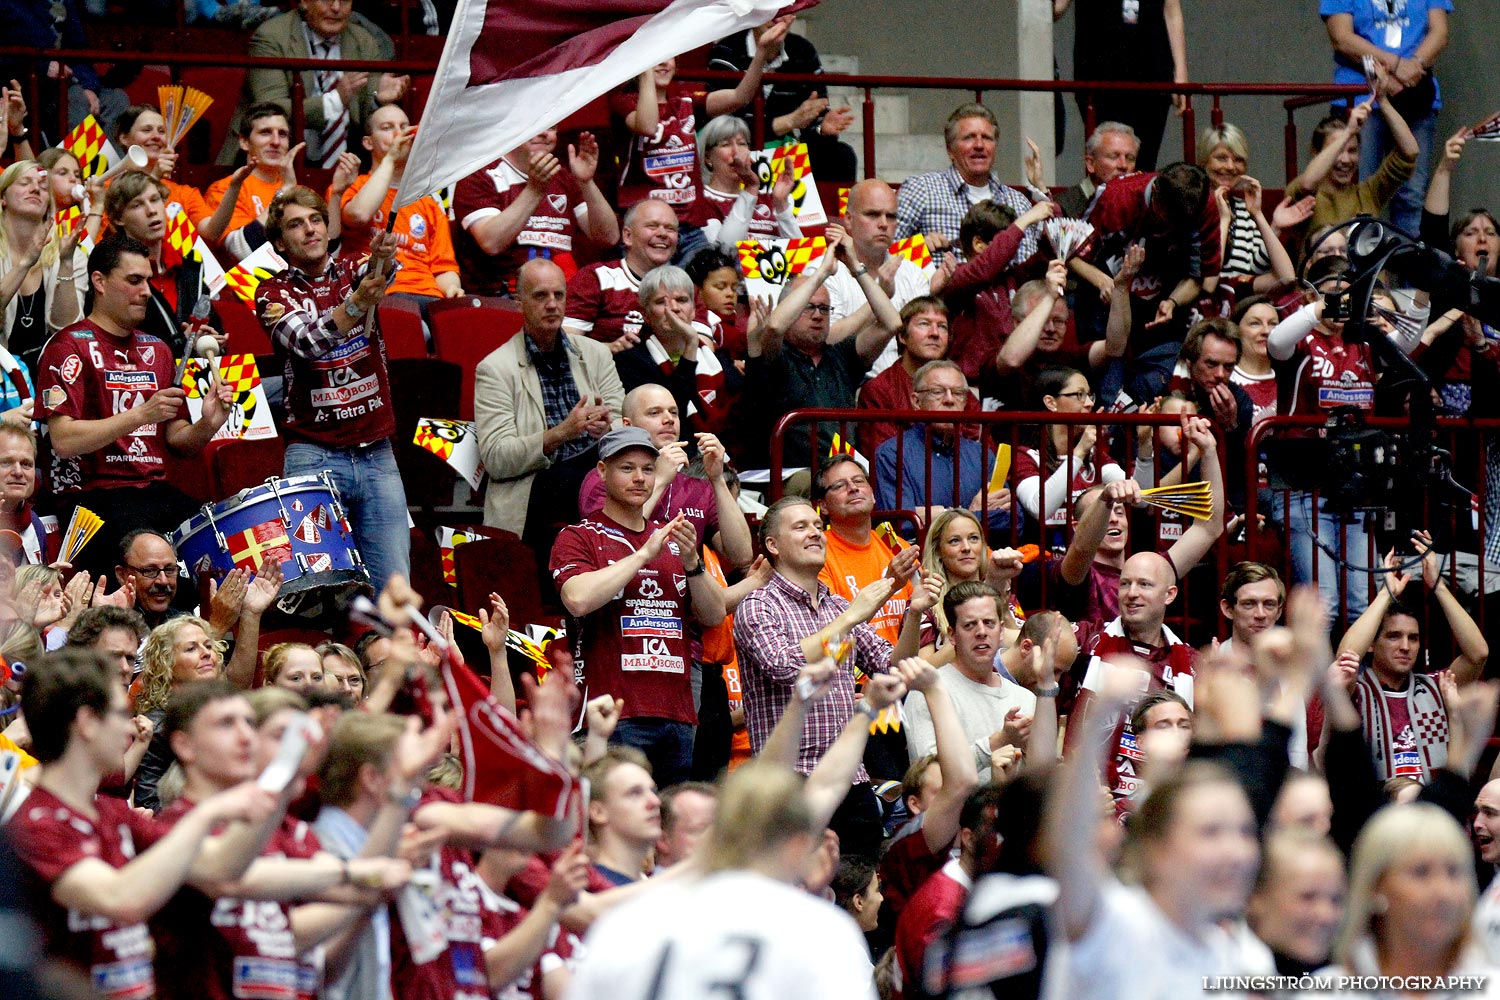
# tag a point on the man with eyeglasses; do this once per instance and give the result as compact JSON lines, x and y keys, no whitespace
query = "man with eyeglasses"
{"x":936,"y":457}
{"x":1252,"y":598}
{"x":923,"y":338}
{"x":813,"y":371}
{"x":149,"y":564}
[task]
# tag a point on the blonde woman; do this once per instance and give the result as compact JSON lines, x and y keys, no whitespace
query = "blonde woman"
{"x":956,"y":552}
{"x":295,"y":666}
{"x":178,"y":652}
{"x":41,"y":275}
{"x":1252,"y":248}
{"x":1411,"y":902}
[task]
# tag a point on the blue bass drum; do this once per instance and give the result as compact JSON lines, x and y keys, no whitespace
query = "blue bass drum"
{"x":299,"y":522}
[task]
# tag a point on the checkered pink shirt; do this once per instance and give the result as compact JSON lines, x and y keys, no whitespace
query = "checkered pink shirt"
{"x":769,"y":626}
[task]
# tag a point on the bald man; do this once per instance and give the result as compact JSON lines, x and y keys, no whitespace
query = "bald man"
{"x":707,"y":502}
{"x":541,"y":402}
{"x":1148,"y":583}
{"x":1487,"y":839}
{"x":871,"y":221}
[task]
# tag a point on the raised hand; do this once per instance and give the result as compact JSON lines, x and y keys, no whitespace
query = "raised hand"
{"x":602,"y":715}
{"x":1289,"y":214}
{"x":583,"y":159}
{"x":781,"y":191}
{"x":349,"y":85}
{"x":122,"y":598}
{"x":289,"y":166}
{"x":1396,"y":577}
{"x":926,"y":595}
{"x":344,"y":173}
{"x":917,"y":674}
{"x":815,"y":679}
{"x":1005,"y":763}
{"x":808,"y":110}
{"x":883,"y":690}
{"x":554,"y":704}
{"x":391,"y":88}
{"x":540,"y":171}
{"x":661,"y":536}
{"x":901,"y":566}
{"x":261,"y":591}
{"x":1033,"y":161}
{"x":494,"y":627}
{"x":686,"y":538}
{"x":712,"y":452}
{"x":760,"y":571}
{"x":1432,"y":560}
{"x":1017,"y":728}
{"x":568,"y":878}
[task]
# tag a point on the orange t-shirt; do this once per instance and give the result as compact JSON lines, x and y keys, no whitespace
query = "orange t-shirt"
{"x":255,"y":198}
{"x":426,"y":242}
{"x":191,"y":201}
{"x":850,"y":567}
{"x":718,"y":647}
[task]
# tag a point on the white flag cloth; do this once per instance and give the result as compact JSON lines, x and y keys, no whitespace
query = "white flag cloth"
{"x":514,"y":68}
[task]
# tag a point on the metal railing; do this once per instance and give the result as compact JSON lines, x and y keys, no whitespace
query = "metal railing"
{"x":1018,"y":429}
{"x":171,"y":54}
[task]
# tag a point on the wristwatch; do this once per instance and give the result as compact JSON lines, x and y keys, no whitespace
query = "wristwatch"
{"x":407,"y":800}
{"x":695,"y":571}
{"x":354,"y":310}
{"x":870,"y":711}
{"x":1049,"y":692}
{"x":860,"y":271}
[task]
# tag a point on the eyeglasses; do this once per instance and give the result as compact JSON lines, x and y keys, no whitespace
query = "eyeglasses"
{"x":1079,"y":394}
{"x":946,"y":393}
{"x":823,"y":310}
{"x":152,"y":572}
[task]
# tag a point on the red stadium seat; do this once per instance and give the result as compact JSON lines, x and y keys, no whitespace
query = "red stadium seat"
{"x":246,"y":335}
{"x":401,"y":328}
{"x":465,"y":330}
{"x":504,"y":565}
{"x":423,"y":387}
{"x":236,"y":465}
{"x":427,"y":569}
{"x":291,"y":633}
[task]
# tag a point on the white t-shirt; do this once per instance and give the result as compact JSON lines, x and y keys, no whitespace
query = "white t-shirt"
{"x":1133,"y":952}
{"x":845,"y":297}
{"x":732,"y":934}
{"x":981,"y":710}
{"x":978,"y":194}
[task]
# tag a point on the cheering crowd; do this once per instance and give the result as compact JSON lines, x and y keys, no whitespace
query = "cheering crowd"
{"x":1075,"y":707}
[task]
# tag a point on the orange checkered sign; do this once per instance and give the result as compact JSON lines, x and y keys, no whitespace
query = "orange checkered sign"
{"x":807,"y":204}
{"x":90,"y":147}
{"x":914,"y":249}
{"x":448,"y":540}
{"x":253,"y":546}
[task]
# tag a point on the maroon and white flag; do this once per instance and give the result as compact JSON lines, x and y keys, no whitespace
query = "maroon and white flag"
{"x":514,"y":68}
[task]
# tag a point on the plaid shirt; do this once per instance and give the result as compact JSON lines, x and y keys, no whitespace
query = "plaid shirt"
{"x":769,"y":626}
{"x":301,"y":331}
{"x":559,"y":392}
{"x":937,"y":203}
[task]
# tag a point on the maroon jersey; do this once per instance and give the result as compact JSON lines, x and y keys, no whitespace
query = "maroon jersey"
{"x":1323,"y":374}
{"x":226,"y":948}
{"x":338,"y":391}
{"x":548,"y":232}
{"x":458,"y":973}
{"x":907,"y":865}
{"x":663,"y":165}
{"x":1262,"y":392}
{"x":88,"y":374}
{"x":1121,"y":214}
{"x":1085,"y":475}
{"x":635,"y":646}
{"x":714,"y":206}
{"x":527,"y":884}
{"x":926,"y":916}
{"x":500,"y":916}
{"x":50,"y":836}
{"x":604,"y":301}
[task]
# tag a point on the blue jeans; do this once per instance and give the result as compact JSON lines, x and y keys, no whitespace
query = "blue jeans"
{"x":667,"y":744}
{"x":1406,"y":208}
{"x":1328,"y":528}
{"x":369,"y":486}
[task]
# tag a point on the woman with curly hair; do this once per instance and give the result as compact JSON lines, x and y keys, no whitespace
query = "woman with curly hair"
{"x":178,"y":652}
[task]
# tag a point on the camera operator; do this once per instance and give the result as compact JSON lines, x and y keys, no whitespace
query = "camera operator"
{"x":1317,"y":372}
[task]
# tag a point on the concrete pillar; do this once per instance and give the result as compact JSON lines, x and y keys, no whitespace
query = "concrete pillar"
{"x":1034,"y":62}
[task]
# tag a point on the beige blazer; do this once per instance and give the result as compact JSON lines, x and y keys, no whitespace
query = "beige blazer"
{"x":510,"y":420}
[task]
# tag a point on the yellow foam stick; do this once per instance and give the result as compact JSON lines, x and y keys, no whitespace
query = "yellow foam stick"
{"x":1002,"y":466}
